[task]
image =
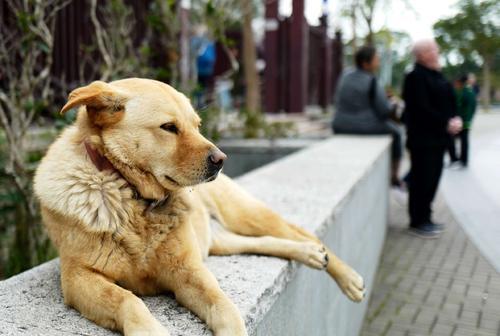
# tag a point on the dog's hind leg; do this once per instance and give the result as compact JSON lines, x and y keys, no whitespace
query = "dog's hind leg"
{"x":106,"y":303}
{"x":241,"y":213}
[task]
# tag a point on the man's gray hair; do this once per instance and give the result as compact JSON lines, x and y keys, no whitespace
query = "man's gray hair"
{"x":422,"y":45}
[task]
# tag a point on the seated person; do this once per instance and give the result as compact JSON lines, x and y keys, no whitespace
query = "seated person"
{"x":363,"y":108}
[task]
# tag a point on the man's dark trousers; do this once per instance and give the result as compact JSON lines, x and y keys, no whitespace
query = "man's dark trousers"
{"x":464,"y":147}
{"x":426,"y":169}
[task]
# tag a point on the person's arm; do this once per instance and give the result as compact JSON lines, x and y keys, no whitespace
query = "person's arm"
{"x":455,"y":122}
{"x":404,"y":95}
{"x":381,"y":104}
{"x":454,"y":102}
{"x":417,"y":96}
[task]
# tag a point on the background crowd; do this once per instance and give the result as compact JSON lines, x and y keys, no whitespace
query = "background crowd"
{"x":434,"y":113}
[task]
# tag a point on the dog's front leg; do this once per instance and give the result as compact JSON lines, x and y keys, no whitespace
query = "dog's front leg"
{"x":196,"y":288}
{"x":106,"y":303}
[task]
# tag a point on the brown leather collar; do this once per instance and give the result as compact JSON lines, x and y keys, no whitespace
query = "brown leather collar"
{"x":102,"y":163}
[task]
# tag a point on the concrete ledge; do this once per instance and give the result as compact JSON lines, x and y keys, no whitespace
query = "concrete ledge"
{"x":337,"y":188}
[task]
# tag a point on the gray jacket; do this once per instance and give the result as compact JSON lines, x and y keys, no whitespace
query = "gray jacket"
{"x":354,"y":111}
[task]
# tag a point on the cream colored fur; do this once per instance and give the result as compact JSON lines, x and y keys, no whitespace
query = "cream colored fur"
{"x":114,"y":245}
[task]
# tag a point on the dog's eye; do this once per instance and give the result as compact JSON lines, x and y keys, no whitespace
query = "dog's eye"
{"x":170,"y":127}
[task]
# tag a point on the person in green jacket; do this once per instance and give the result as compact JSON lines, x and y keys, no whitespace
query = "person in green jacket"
{"x":466,"y":107}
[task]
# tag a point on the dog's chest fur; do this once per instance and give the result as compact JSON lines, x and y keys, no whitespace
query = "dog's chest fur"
{"x":95,"y":218}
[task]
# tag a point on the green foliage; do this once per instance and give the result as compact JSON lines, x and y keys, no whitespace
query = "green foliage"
{"x":253,"y":123}
{"x":474,"y":31}
{"x":474,"y":35}
{"x":163,"y":26}
{"x":26,"y":245}
{"x":119,"y":51}
{"x":219,"y":16}
{"x":280,"y":129}
{"x":210,"y":117}
{"x":397,"y":44}
{"x":61,"y":121}
{"x":256,"y":126}
{"x":453,"y":71}
{"x":399,"y":70}
{"x":24,"y":250}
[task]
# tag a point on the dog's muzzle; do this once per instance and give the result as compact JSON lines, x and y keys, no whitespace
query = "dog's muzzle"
{"x":215,"y":162}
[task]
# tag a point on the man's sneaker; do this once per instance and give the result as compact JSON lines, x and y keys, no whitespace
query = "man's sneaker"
{"x":437,"y":227}
{"x":396,"y":183}
{"x":455,"y":165}
{"x":426,"y":231}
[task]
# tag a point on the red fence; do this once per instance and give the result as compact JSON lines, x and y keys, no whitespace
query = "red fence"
{"x":74,"y":31}
{"x":302,"y":62}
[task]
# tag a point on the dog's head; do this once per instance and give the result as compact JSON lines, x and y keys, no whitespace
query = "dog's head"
{"x":148,"y":126}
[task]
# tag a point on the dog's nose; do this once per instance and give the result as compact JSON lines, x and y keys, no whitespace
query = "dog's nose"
{"x":216,"y":158}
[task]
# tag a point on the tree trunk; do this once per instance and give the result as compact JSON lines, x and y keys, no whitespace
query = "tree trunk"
{"x":369,"y":37}
{"x":486,"y":89}
{"x":252,"y":96}
{"x":353,"y":28}
{"x":184,"y":61}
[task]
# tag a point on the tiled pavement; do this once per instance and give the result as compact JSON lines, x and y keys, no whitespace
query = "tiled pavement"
{"x":441,"y":287}
{"x":473,"y":194}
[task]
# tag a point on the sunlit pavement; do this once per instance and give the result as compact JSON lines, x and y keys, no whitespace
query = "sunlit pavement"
{"x":473,"y":194}
{"x":446,"y":286}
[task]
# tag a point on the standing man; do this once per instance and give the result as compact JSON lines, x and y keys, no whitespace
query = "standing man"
{"x":430,"y":118}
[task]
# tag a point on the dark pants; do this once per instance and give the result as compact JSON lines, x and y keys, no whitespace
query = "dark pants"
{"x":426,"y":169}
{"x":464,"y":147}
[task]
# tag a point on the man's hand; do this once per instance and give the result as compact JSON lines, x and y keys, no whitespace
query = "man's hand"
{"x":455,"y":125}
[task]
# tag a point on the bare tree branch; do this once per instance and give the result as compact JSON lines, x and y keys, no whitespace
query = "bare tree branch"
{"x":100,"y":36}
{"x":26,"y":47}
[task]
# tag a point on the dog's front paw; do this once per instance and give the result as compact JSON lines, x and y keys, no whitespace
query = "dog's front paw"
{"x":351,"y":283}
{"x":231,"y":332}
{"x":313,"y":255}
{"x":236,"y":327}
{"x":152,"y":329}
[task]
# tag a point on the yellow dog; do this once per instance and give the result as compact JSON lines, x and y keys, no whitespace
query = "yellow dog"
{"x":124,"y":198}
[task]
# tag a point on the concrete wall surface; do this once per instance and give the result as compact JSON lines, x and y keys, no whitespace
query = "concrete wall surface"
{"x":337,"y":188}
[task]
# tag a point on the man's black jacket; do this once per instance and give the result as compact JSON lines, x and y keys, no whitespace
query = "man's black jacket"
{"x":430,"y":103}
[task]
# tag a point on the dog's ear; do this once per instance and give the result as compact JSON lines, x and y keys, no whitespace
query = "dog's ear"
{"x":104,"y":104}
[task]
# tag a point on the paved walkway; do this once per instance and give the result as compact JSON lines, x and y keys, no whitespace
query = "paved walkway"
{"x":473,"y":194}
{"x":444,"y":287}
{"x":441,"y":287}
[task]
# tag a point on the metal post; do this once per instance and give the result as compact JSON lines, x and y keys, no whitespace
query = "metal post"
{"x":325,"y":75}
{"x":337,"y":55}
{"x":298,"y":41}
{"x":271,"y":72}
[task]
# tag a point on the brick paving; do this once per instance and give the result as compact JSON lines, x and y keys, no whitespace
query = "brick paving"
{"x":441,"y":287}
